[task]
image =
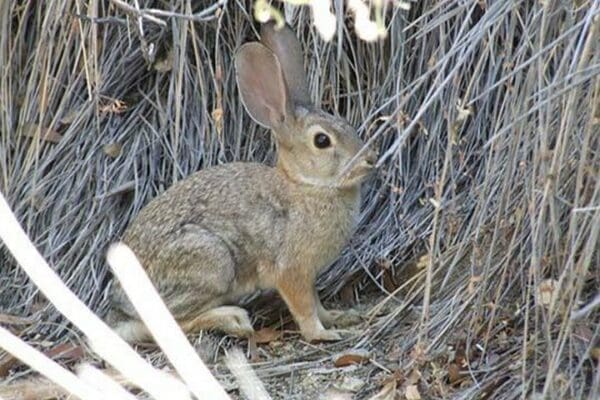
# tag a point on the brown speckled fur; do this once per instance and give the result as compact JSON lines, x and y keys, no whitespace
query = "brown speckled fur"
{"x":229,"y":230}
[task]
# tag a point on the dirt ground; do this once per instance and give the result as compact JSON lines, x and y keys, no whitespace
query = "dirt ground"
{"x":288,"y":366}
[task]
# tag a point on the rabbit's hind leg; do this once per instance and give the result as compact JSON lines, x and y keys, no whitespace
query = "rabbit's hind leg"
{"x":133,"y":331}
{"x":123,"y":319}
{"x":229,"y":319}
{"x":197,"y":276}
{"x":194,"y":272}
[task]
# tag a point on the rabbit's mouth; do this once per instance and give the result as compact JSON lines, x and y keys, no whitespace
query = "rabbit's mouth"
{"x":358,"y":173}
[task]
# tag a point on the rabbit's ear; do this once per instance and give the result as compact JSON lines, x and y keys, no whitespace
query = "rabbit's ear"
{"x":261,"y":84}
{"x":287,"y":48}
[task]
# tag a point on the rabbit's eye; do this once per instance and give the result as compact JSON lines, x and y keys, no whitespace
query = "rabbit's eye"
{"x":322,"y":141}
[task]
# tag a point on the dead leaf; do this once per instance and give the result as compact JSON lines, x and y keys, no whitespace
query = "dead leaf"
{"x":583,"y":333}
{"x":414,"y":377}
{"x":394,"y":353}
{"x":6,"y":364}
{"x":423,"y":261}
{"x":454,"y":374}
{"x":473,"y":283}
{"x":412,"y":393}
{"x":492,"y":359}
{"x":595,"y":352}
{"x":434,"y":203}
{"x":66,"y":351}
{"x":123,"y":188}
{"x":385,"y":263}
{"x":7,"y":319}
{"x":546,"y":291}
{"x":38,"y":305}
{"x":350,"y":384}
{"x":389,"y":283}
{"x":463,"y":112}
{"x":351,"y":357}
{"x":347,"y":293}
{"x":31,"y":130}
{"x":337,"y":394}
{"x":112,"y":149}
{"x":418,"y":352}
{"x":164,"y":64}
{"x":37,"y":201}
{"x":388,"y":392}
{"x":397,"y":376}
{"x":217,"y":116}
{"x":71,"y":116}
{"x":253,"y":354}
{"x":113,"y":106}
{"x":266,"y":335}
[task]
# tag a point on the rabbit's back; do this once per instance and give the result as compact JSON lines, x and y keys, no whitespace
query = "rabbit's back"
{"x":242,"y":203}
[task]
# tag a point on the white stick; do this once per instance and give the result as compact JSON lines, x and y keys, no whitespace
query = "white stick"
{"x":45,"y":366}
{"x":102,"y":339}
{"x":154,"y":313}
{"x":249,"y":383}
{"x":98,"y":379}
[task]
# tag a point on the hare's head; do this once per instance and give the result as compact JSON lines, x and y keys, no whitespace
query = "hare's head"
{"x":313,"y":147}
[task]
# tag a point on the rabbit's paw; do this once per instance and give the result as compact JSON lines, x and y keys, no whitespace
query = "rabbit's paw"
{"x":323,"y":335}
{"x":234,"y":320}
{"x":240,"y":324}
{"x":341,"y":318}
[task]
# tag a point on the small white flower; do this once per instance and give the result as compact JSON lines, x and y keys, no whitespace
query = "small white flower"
{"x":323,"y":18}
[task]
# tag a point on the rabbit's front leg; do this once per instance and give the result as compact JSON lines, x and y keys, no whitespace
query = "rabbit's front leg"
{"x":297,"y":290}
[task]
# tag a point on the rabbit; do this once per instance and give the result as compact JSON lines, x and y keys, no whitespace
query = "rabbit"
{"x":229,"y":230}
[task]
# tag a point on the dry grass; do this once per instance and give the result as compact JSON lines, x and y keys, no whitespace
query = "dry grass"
{"x":486,"y":114}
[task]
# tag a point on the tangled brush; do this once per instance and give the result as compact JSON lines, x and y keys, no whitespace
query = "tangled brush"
{"x":479,"y":232}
